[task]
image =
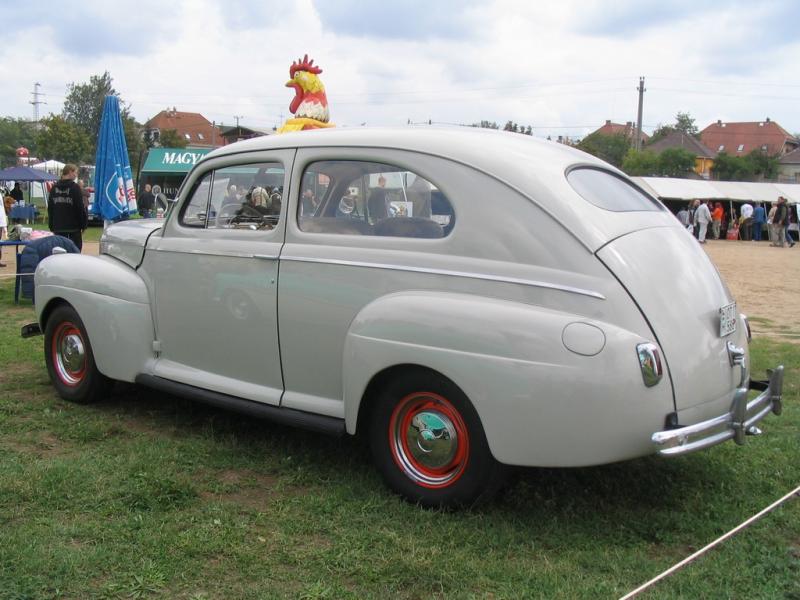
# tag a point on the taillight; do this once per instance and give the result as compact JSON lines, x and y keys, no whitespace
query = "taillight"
{"x":650,"y":363}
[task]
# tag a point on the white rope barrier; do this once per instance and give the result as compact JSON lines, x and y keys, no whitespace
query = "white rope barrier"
{"x":719,"y":540}
{"x":10,"y":275}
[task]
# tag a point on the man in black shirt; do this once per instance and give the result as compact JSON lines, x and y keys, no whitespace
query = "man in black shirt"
{"x":147,"y":203}
{"x":66,"y":213}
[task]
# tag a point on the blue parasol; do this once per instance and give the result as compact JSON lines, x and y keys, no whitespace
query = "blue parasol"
{"x":25,"y":174}
{"x":114,"y":196}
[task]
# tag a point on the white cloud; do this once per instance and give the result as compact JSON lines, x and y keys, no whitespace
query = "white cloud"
{"x":562,"y":67}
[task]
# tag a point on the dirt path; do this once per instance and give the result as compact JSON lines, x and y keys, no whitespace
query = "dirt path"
{"x":764,"y":280}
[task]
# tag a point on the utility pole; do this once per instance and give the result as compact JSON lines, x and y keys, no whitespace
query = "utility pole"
{"x":237,"y":117}
{"x":639,"y":116}
{"x":36,"y":102}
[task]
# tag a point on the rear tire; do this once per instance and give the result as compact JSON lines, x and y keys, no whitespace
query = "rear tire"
{"x":428,"y":443}
{"x":69,"y":358}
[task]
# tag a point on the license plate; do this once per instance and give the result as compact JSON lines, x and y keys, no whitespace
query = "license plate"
{"x":727,"y":319}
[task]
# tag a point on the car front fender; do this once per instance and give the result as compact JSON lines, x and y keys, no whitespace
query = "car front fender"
{"x":111,"y":300}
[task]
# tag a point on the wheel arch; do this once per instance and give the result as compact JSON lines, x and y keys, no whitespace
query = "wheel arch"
{"x":377,"y":383}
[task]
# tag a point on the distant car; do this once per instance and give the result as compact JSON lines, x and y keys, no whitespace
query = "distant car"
{"x":495,"y":300}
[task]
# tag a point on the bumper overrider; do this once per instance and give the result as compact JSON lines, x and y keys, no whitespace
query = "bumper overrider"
{"x":736,"y":423}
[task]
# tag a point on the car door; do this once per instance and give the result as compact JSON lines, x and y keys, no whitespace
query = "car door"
{"x":213,"y":276}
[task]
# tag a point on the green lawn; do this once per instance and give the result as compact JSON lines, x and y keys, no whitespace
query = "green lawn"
{"x":149,"y":496}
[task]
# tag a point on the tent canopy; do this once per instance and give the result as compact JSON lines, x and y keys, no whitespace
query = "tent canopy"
{"x":51,"y":166}
{"x":688,"y":189}
{"x":25,"y":174}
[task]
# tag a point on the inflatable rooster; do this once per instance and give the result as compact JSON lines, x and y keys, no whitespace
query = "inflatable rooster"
{"x":310,"y":105}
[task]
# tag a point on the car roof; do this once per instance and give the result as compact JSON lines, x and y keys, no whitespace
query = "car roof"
{"x":534,"y":167}
{"x":470,"y":145}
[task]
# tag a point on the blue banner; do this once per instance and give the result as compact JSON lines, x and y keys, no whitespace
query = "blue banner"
{"x":114,"y":196}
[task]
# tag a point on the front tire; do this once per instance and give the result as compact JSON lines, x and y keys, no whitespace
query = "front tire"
{"x":69,"y":358}
{"x":428,"y":443}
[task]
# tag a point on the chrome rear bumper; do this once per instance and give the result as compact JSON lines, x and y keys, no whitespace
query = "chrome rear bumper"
{"x":734,"y":424}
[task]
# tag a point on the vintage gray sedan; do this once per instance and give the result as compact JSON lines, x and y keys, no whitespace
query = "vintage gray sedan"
{"x":468,"y":300}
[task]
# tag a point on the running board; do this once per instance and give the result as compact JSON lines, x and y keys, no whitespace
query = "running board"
{"x":284,"y":416}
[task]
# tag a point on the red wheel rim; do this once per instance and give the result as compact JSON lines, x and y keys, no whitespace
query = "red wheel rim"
{"x":429,"y":440}
{"x":68,"y":351}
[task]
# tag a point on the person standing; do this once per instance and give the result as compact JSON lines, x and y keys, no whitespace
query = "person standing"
{"x":759,"y":218}
{"x":716,"y":217}
{"x":16,"y":193}
{"x":66,"y":214}
{"x":3,"y":228}
{"x":683,"y":217}
{"x":778,"y":222}
{"x":703,"y":217}
{"x":147,"y":202}
{"x":746,"y":221}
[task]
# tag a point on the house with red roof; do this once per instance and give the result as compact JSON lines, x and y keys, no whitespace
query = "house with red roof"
{"x":198,"y":131}
{"x":628,"y":130}
{"x":739,"y":139}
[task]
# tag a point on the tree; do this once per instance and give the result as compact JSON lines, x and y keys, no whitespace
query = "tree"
{"x":169,"y":138}
{"x":610,"y":148}
{"x":731,"y":168}
{"x":685,"y":124}
{"x":13,"y":134}
{"x":486,"y":125}
{"x":59,"y":139}
{"x":763,"y":166}
{"x":675,"y":162}
{"x":135,"y":142}
{"x":83,"y":106}
{"x":642,"y":163}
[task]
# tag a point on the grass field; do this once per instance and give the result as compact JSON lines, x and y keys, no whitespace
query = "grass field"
{"x":148,"y":496}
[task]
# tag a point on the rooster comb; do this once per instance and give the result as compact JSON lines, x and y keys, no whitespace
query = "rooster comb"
{"x":304,"y":65}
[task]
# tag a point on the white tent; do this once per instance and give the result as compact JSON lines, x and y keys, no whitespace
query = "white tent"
{"x":50,"y":166}
{"x":669,"y":188}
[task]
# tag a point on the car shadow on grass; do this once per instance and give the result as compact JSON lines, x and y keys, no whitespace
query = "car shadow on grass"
{"x":650,"y":488}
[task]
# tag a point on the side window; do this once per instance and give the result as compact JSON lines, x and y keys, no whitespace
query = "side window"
{"x":246,"y":197}
{"x":366,"y":198}
{"x":194,"y":215}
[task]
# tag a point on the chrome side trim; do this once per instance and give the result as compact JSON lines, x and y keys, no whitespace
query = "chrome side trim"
{"x":219,"y":253}
{"x":464,"y":274}
{"x":732,"y":425}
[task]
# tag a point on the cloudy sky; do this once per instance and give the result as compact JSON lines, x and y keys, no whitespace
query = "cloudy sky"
{"x":563,"y":66}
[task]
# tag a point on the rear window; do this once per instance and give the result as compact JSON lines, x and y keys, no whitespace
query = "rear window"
{"x":608,"y":191}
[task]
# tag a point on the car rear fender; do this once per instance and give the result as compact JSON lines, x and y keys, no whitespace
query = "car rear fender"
{"x":540,"y":403}
{"x":111,"y":300}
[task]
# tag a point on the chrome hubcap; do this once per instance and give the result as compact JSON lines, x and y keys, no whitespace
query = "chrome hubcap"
{"x":432,"y":439}
{"x":70,"y":356}
{"x":429,"y":440}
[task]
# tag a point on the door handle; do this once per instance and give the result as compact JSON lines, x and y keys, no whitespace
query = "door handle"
{"x":266,"y":256}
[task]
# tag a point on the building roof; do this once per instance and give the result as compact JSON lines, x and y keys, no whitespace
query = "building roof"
{"x":628,"y":130}
{"x":792,"y":158}
{"x":739,"y":139}
{"x":678,"y":139}
{"x":193,"y":127}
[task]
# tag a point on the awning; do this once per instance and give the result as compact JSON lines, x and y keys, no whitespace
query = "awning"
{"x":670,"y":188}
{"x":177,"y":161}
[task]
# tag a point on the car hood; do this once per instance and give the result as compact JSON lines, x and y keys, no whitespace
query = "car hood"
{"x":680,"y":293}
{"x":126,"y":240}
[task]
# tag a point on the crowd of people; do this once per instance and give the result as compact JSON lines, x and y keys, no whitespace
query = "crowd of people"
{"x":749,"y":225}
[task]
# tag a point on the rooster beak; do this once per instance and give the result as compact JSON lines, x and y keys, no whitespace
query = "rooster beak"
{"x":291,"y":83}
